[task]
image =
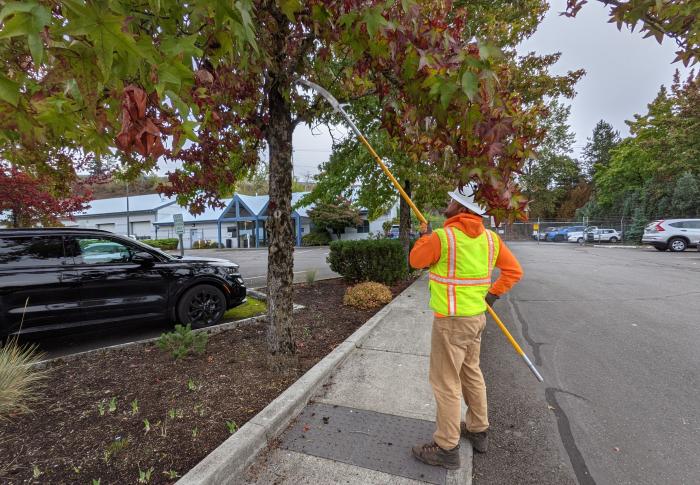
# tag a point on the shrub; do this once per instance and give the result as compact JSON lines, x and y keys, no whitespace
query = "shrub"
{"x":381,"y":260}
{"x":183,"y":341}
{"x":19,"y":379}
{"x":202,"y":244}
{"x":367,"y":296}
{"x":316,"y":238}
{"x":310,"y":276}
{"x":167,"y":244}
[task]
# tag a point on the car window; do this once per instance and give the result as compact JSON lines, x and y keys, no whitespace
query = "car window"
{"x":31,"y":251}
{"x":677,"y":224}
{"x":692,"y":224}
{"x":95,"y":250}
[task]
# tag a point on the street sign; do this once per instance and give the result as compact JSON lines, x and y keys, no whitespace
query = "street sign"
{"x":536,"y":227}
{"x":179,"y":224}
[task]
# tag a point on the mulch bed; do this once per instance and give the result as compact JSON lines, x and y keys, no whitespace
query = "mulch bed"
{"x":187,"y":402}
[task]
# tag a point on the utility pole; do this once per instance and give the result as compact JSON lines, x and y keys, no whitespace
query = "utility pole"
{"x":128,"y":222}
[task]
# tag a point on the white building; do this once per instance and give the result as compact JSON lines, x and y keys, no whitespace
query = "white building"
{"x":239,"y":223}
{"x":140,"y":211}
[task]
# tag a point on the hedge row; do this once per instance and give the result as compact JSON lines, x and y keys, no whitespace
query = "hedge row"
{"x":166,"y":244}
{"x":382,"y":260}
{"x":316,"y":238}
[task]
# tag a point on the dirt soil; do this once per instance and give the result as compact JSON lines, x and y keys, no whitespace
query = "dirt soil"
{"x":187,"y":403}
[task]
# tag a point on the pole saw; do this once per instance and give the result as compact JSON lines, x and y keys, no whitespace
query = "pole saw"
{"x":338,"y":108}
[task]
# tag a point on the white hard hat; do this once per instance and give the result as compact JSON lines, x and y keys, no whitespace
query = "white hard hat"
{"x":467,"y":200}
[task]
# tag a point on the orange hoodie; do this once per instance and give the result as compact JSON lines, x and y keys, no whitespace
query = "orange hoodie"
{"x":426,"y":252}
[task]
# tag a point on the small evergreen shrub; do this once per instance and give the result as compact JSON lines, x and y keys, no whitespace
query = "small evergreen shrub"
{"x":316,"y":238}
{"x":367,"y":296}
{"x":183,"y":341}
{"x":165,"y":244}
{"x":382,"y":260}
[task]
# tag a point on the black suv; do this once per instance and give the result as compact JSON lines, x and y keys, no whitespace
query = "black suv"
{"x":56,"y":278}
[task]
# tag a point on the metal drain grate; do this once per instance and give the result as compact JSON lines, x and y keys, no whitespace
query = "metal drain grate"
{"x":368,"y":439}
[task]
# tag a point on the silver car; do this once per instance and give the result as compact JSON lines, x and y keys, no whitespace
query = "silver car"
{"x":674,"y":234}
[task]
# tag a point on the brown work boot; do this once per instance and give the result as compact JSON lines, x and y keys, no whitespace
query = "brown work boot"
{"x":480,"y":441}
{"x":432,"y":454}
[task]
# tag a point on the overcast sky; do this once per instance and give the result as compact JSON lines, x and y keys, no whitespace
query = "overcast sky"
{"x":623,"y":74}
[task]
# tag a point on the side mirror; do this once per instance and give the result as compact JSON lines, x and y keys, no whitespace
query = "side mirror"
{"x":143,"y":258}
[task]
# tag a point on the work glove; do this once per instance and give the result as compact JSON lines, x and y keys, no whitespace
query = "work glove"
{"x":425,"y":229}
{"x":491,"y":299}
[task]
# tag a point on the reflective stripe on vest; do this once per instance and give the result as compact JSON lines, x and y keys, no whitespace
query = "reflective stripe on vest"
{"x":451,"y":293}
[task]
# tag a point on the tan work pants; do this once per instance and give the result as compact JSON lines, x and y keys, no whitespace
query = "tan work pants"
{"x":455,"y":373}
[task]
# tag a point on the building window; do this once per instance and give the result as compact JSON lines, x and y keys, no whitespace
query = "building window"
{"x":364,"y":227}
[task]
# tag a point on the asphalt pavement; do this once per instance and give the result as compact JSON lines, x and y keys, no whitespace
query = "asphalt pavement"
{"x":253,"y":262}
{"x":614,"y":331}
{"x":253,"y":267}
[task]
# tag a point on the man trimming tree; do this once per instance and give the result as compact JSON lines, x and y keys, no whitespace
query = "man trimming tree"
{"x":461,"y":257}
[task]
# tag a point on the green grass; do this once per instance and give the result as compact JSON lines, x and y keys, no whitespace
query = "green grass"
{"x":250,"y":308}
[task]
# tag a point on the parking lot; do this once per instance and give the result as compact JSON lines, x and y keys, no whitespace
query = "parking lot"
{"x":614,"y":331}
{"x":253,"y":262}
{"x":253,"y":266}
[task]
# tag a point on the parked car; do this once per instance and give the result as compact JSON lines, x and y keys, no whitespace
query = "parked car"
{"x":57,"y":278}
{"x":673,"y":234}
{"x":595,"y":234}
{"x":394,"y":233}
{"x":542,"y":233}
{"x":580,"y":236}
{"x":606,"y":235}
{"x":562,"y":233}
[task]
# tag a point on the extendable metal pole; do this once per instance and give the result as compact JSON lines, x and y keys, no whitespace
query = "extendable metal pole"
{"x":336,"y":105}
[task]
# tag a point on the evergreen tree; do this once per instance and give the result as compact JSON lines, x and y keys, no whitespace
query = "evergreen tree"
{"x":639,"y":221}
{"x":686,"y":196}
{"x":597,"y":151}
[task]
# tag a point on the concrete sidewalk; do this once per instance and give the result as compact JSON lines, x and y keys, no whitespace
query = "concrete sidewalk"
{"x":386,"y":375}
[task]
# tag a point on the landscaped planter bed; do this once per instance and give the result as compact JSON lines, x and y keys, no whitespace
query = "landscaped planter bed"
{"x":191,"y":404}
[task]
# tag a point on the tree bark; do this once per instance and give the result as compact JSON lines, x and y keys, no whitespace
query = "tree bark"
{"x":405,"y":219}
{"x":279,"y":225}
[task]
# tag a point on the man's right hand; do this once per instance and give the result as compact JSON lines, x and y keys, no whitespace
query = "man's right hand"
{"x":425,"y":229}
{"x":491,"y":299}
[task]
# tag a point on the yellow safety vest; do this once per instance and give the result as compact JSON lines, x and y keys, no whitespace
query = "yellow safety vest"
{"x":461,"y":278}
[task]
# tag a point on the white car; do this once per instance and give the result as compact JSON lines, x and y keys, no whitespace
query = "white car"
{"x":673,"y":234}
{"x":606,"y":235}
{"x":580,"y":236}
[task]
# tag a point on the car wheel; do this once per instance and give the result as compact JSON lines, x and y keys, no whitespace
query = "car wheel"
{"x":677,"y":245}
{"x":201,"y":306}
{"x":613,"y":239}
{"x":580,"y":240}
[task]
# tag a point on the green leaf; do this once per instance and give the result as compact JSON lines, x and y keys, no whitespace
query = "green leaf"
{"x":489,"y":51}
{"x":20,"y":24}
{"x":9,"y":90}
{"x":290,"y":7}
{"x":470,"y":84}
{"x":178,"y":103}
{"x":374,"y":19}
{"x":16,"y":7}
{"x":36,"y":47}
{"x":447,"y":91}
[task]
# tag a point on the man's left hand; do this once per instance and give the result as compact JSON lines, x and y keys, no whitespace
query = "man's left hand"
{"x":491,"y":299}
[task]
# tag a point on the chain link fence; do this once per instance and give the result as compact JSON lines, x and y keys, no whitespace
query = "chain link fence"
{"x":559,"y":230}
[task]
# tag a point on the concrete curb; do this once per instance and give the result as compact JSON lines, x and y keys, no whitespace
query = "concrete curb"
{"x":228,"y":461}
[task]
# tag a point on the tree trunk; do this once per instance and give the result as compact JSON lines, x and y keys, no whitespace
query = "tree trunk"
{"x":280,"y":260}
{"x":405,"y":219}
